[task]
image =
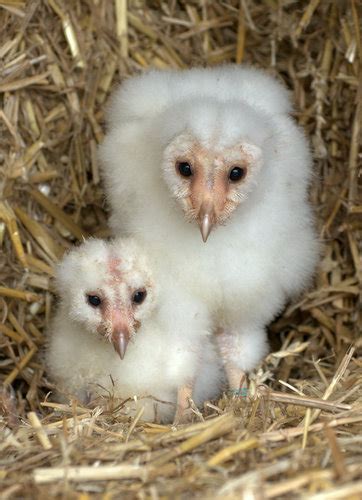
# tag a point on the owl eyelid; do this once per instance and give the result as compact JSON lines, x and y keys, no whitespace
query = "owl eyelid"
{"x":94,"y":299}
{"x":184,"y":168}
{"x":237,"y":173}
{"x":139,"y":296}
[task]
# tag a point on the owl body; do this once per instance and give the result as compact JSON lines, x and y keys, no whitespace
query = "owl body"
{"x":149,"y":376}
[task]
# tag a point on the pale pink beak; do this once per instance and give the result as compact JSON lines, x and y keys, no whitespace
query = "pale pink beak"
{"x":206,"y":218}
{"x":121,"y":331}
{"x":120,"y":341}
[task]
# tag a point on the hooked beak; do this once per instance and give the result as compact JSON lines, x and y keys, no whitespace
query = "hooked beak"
{"x":206,"y":219}
{"x":120,"y":341}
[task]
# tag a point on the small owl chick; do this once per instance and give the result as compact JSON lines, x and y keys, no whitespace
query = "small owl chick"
{"x":112,"y":331}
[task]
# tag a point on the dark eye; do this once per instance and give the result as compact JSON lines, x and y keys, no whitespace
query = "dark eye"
{"x":94,"y":300}
{"x":139,"y":296}
{"x":184,"y":168}
{"x":237,"y":173}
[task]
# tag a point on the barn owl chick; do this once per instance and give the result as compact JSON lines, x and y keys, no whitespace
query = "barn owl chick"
{"x":215,"y":150}
{"x":111,"y":331}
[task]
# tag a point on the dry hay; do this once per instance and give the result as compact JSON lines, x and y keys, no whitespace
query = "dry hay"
{"x":299,"y":438}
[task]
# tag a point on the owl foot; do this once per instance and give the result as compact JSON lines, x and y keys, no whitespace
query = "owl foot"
{"x":184,"y":411}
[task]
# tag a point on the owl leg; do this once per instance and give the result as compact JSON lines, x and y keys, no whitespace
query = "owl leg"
{"x":236,"y":377}
{"x":241,"y":350}
{"x":183,"y":411}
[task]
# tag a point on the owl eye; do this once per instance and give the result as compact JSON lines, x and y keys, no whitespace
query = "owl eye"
{"x":184,"y":168}
{"x":94,"y":300}
{"x":237,"y":173}
{"x":139,"y":296}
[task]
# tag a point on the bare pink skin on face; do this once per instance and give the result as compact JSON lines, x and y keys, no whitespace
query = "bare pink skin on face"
{"x":113,"y":270}
{"x":117,"y":318}
{"x":211,"y":196}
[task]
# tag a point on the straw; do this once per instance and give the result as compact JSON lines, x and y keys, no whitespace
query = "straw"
{"x":297,"y":434}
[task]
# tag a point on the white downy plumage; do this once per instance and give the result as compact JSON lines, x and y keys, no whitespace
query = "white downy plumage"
{"x":215,"y":148}
{"x":109,"y":296}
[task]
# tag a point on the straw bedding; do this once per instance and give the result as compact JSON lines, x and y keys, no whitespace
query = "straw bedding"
{"x":298,"y":433}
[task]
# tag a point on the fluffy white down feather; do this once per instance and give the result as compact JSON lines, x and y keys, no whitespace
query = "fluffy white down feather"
{"x":160,"y":357}
{"x":266,"y":252}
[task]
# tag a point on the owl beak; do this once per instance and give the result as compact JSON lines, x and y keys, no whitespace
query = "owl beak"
{"x":122,"y":327}
{"x":120,"y":341}
{"x":206,"y":219}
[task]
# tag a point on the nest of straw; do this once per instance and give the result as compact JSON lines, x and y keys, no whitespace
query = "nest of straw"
{"x":298,"y":434}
